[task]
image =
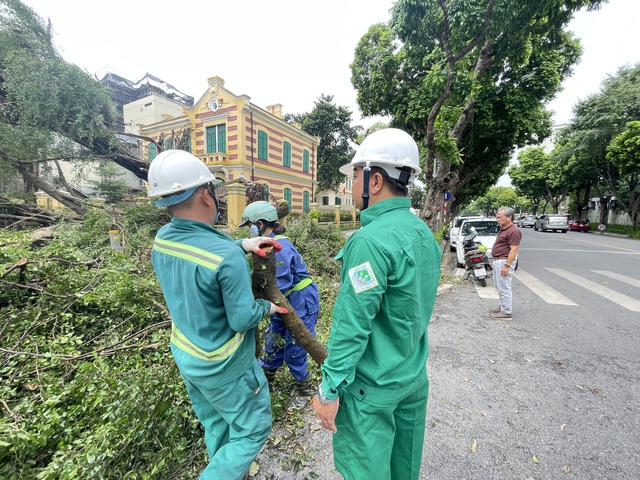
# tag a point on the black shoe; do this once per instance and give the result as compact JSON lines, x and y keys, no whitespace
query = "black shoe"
{"x":271,"y":376}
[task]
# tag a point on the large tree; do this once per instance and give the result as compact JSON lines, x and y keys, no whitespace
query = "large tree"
{"x":624,"y":153}
{"x":599,"y":119}
{"x":540,"y":176}
{"x":331,"y":123}
{"x":50,"y":110}
{"x":469,"y":79}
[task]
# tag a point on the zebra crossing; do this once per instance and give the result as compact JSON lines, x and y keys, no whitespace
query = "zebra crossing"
{"x":552,"y":296}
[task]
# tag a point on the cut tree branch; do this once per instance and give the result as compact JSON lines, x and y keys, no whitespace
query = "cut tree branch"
{"x":265,"y":286}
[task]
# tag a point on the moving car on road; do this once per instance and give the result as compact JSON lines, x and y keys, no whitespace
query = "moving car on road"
{"x":552,"y":221}
{"x":579,"y":225}
{"x":527,"y":221}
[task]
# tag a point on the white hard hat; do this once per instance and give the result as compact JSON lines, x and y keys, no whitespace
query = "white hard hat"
{"x":391,"y":149}
{"x":174,"y":171}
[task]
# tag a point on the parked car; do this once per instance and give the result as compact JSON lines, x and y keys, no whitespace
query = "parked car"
{"x":579,"y":225}
{"x":487,"y":229}
{"x":455,"y":229}
{"x":552,"y":221}
{"x":527,"y":221}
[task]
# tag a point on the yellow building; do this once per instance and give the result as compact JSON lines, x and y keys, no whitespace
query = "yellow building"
{"x":237,"y":139}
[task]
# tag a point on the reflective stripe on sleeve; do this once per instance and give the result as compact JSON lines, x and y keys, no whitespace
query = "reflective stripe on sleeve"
{"x":225,"y":351}
{"x":187,"y":252}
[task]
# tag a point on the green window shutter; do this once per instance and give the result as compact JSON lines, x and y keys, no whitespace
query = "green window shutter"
{"x":211,"y":140}
{"x":222,"y":138}
{"x":286,"y":155}
{"x":287,"y":196}
{"x":263,"y":145}
{"x":305,"y":161}
{"x":151,"y":151}
{"x":305,"y":202}
{"x":189,"y":144}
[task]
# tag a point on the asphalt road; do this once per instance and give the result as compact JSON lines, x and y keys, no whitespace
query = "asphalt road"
{"x":552,"y":393}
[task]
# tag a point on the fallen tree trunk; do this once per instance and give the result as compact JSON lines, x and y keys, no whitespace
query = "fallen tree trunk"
{"x":19,"y":214}
{"x":265,"y":286}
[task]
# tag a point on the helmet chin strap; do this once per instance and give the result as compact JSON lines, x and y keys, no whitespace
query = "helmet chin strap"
{"x":212,"y":189}
{"x":365,"y":187}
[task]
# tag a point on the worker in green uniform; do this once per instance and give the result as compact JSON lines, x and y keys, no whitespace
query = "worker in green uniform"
{"x":206,"y":282}
{"x":374,"y":388}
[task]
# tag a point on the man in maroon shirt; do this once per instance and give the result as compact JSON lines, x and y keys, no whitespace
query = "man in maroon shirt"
{"x":504,"y":253}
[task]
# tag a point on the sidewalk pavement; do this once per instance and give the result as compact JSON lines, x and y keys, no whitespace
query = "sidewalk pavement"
{"x":306,"y":452}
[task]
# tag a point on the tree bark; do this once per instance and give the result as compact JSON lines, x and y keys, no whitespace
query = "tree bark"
{"x":74,"y":203}
{"x":18,"y":213}
{"x":265,"y":286}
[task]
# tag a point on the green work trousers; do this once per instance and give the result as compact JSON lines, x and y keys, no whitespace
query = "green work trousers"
{"x":235,"y":414}
{"x":380,"y":441}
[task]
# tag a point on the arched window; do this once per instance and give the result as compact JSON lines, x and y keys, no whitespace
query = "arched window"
{"x":305,"y":202}
{"x":305,"y":161}
{"x":286,"y":154}
{"x":263,"y":145}
{"x":287,"y":197}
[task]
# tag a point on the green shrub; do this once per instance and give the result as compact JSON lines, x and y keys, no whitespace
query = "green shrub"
{"x":621,"y":229}
{"x":88,"y":383}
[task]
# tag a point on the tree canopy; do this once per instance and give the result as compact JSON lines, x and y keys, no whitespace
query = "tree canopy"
{"x":469,"y":79}
{"x":331,"y":123}
{"x":540,"y":177}
{"x":599,"y":143}
{"x":51,"y":110}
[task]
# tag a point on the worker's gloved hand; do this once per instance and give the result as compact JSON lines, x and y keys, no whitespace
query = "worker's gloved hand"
{"x":254,"y":245}
{"x":276,"y":309}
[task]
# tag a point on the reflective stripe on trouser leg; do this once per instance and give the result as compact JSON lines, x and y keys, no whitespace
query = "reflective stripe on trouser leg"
{"x":382,"y":443}
{"x":503,"y":285}
{"x":236,"y":417}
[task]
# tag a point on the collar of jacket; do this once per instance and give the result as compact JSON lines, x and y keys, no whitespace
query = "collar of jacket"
{"x":373,"y":211}
{"x":186,"y":224}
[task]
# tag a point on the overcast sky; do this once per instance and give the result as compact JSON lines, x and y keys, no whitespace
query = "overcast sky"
{"x":282,"y":51}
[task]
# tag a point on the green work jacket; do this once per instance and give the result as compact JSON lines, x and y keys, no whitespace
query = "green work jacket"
{"x":378,"y":345}
{"x":206,"y":282}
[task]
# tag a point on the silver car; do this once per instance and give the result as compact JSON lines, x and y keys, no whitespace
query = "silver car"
{"x":553,"y":221}
{"x":527,"y":221}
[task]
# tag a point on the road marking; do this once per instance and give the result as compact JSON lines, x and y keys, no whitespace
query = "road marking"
{"x":622,"y":300}
{"x":616,"y":276}
{"x":489,"y":291}
{"x":630,"y":252}
{"x":541,"y":289}
{"x":608,"y":246}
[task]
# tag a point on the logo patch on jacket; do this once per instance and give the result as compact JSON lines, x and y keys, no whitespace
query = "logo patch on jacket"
{"x":362,"y":277}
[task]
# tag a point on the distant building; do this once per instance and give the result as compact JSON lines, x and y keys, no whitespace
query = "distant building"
{"x":328,"y":199}
{"x":235,"y":139}
{"x":123,"y":92}
{"x":148,"y":100}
